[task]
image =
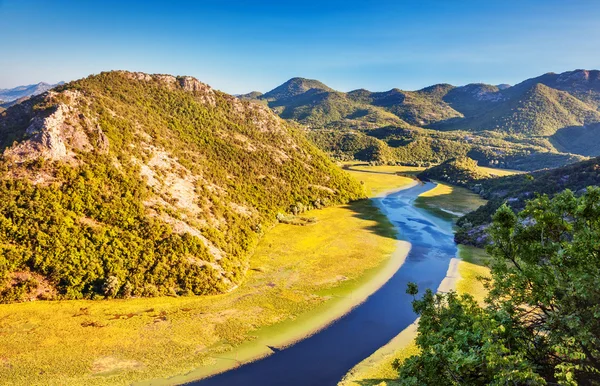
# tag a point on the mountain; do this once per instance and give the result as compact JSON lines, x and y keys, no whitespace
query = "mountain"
{"x":12,"y":94}
{"x":462,"y":171}
{"x":293,"y":88}
{"x":515,"y":190}
{"x":537,"y":110}
{"x":541,"y":122}
{"x":129,"y":184}
{"x":582,"y":84}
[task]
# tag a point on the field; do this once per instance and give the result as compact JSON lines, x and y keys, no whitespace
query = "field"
{"x":449,"y":201}
{"x":300,"y":278}
{"x":446,"y":201}
{"x":498,"y":172}
{"x":381,"y":179}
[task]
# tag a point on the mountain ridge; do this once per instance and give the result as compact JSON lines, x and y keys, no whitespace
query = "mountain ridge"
{"x":529,"y":113}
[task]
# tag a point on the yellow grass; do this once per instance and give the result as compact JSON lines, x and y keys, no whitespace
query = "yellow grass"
{"x":380,"y":179}
{"x":449,"y":201}
{"x":471,"y":269}
{"x":301,"y":278}
{"x":377,"y":369}
{"x":498,"y":172}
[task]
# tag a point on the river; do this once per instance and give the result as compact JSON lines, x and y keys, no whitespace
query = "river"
{"x":325,"y":357}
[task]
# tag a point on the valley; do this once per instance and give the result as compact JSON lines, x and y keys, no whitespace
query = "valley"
{"x":300,"y":193}
{"x":327,"y":355}
{"x":348,"y":253}
{"x":126,"y":197}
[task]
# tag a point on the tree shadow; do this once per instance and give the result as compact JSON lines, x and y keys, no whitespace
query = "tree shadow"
{"x":366,"y":210}
{"x":14,"y":122}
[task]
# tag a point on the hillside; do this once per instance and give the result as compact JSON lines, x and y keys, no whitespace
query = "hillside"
{"x":128,"y":184}
{"x":462,"y":171}
{"x":539,"y":123}
{"x":516,"y":189}
{"x":538,"y":110}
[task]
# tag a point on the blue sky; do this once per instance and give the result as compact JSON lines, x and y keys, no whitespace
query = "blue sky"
{"x":239,"y":46}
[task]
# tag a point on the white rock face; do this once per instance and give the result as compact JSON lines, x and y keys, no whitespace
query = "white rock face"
{"x":58,"y":135}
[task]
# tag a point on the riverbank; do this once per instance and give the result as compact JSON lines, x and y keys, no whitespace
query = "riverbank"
{"x":297,"y":272}
{"x":463,"y":276}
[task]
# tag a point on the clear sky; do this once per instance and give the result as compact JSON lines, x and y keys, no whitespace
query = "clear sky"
{"x":240,"y":46}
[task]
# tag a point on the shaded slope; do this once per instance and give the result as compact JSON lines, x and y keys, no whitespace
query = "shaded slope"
{"x":517,"y":189}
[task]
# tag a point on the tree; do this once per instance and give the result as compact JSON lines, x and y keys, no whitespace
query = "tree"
{"x":541,"y":320}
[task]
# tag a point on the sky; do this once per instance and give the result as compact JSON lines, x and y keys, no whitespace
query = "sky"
{"x":241,"y":46}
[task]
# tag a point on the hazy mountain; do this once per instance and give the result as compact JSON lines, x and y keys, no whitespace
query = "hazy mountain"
{"x":12,"y":94}
{"x":133,"y":184}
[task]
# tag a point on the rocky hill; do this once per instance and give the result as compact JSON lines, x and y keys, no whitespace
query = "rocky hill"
{"x":129,"y":184}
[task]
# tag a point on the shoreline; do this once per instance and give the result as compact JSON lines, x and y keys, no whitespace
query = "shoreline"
{"x":405,"y":338}
{"x":306,"y":324}
{"x":403,"y":345}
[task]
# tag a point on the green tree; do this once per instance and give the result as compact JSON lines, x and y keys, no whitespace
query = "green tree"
{"x":541,"y":320}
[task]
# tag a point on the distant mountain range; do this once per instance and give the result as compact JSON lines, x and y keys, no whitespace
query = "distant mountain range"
{"x":10,"y":95}
{"x":557,"y":113}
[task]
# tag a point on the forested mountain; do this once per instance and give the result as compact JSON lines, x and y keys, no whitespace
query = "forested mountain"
{"x":553,"y":117}
{"x":128,"y":184}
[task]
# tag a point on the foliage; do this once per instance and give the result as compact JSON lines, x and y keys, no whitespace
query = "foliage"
{"x":461,"y":171}
{"x":94,"y":218}
{"x":422,"y":147}
{"x":540,"y":323}
{"x":517,"y":189}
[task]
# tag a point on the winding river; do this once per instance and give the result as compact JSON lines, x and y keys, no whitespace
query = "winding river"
{"x":325,"y":357}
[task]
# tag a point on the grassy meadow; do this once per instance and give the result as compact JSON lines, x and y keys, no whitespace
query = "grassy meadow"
{"x":300,"y":278}
{"x":449,"y":201}
{"x":378,"y":180}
